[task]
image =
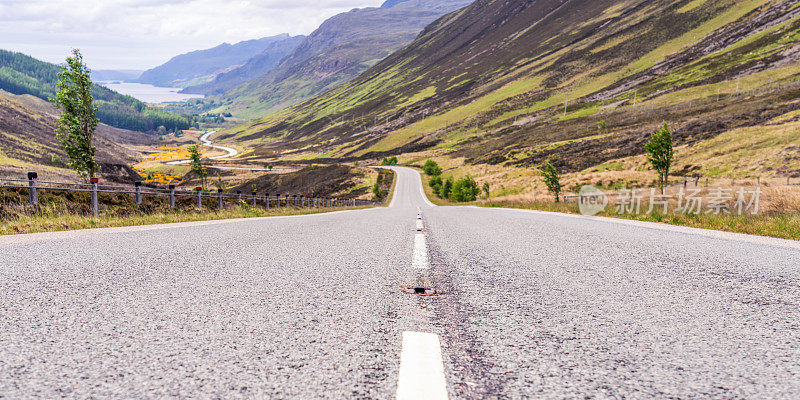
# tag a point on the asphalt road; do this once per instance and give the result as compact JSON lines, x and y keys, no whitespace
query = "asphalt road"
{"x":531,"y":305}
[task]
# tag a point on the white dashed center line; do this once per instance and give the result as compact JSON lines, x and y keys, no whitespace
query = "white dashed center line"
{"x":421,"y":368}
{"x":420,"y":252}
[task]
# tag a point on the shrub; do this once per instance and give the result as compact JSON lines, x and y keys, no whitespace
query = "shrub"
{"x":376,"y":190}
{"x":389,"y":161}
{"x":436,"y":184}
{"x":432,"y":168}
{"x":486,"y":189}
{"x":447,"y":188}
{"x":464,"y":190}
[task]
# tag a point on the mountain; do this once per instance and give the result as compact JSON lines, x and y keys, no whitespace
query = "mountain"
{"x":28,"y":141}
{"x":392,"y":3}
{"x":202,"y":66}
{"x":125,"y":75}
{"x":581,"y":82}
{"x":255,"y":67}
{"x":22,"y":74}
{"x":340,"y":49}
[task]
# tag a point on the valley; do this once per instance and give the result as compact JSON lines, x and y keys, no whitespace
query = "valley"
{"x":492,"y":91}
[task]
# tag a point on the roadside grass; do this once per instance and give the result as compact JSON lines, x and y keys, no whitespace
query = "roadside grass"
{"x":50,"y":220}
{"x":778,"y":225}
{"x":780,"y":219}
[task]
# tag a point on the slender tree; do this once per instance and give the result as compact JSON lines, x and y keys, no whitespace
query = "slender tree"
{"x":78,"y":120}
{"x":552,"y":179}
{"x":196,"y":164}
{"x":660,"y":154}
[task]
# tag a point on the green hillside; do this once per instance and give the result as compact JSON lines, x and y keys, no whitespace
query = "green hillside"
{"x":21,"y":74}
{"x":514,"y":82}
{"x":343,"y":47}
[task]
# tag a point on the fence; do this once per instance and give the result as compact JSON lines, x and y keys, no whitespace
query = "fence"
{"x":138,"y":191}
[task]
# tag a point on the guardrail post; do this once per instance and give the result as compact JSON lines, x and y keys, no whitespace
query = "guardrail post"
{"x":354,"y":202}
{"x":138,"y":190}
{"x":239,"y":195}
{"x":199,"y":197}
{"x":267,"y":205}
{"x":254,"y":198}
{"x":171,"y":196}
{"x":33,"y":177}
{"x":95,"y":205}
{"x":219,"y":199}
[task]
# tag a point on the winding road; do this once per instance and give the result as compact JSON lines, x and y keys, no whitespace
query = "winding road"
{"x":529,"y":305}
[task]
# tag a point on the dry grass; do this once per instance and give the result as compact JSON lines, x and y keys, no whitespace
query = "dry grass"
{"x":53,"y":221}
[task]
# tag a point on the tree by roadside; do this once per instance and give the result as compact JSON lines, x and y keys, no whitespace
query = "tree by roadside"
{"x":552,"y":179}
{"x":431,"y":168}
{"x":196,"y":164}
{"x":465,"y":190}
{"x":660,"y":154}
{"x":78,"y":120}
{"x":391,"y":161}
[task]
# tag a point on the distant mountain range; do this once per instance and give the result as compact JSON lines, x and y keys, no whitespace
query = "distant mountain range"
{"x":125,"y":75}
{"x":255,"y":67}
{"x":201,"y":66}
{"x":340,"y":49}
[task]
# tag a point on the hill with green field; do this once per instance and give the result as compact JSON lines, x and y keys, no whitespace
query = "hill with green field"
{"x":581,"y":82}
{"x":22,"y":74}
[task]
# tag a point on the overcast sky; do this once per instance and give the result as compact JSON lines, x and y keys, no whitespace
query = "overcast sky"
{"x":140,"y":34}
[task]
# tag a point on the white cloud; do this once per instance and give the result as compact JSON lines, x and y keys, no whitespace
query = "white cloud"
{"x":139,"y":34}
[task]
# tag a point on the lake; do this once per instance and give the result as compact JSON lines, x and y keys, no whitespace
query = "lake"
{"x":150,"y":93}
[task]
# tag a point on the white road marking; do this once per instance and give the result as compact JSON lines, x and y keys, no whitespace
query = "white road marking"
{"x":421,"y":368}
{"x":420,"y":252}
{"x":420,"y":226}
{"x":422,"y":192}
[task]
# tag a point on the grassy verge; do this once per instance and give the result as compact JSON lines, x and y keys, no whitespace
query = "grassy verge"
{"x":49,"y":222}
{"x":778,"y":225}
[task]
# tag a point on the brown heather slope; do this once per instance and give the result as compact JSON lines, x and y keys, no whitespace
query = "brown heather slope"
{"x":28,"y":143}
{"x":488,"y":84}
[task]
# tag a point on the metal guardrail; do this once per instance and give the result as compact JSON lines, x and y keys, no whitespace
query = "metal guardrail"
{"x":34,"y":186}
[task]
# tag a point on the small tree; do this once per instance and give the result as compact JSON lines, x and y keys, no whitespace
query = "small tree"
{"x":465,"y":189}
{"x":436,"y":184}
{"x":552,"y":179}
{"x":446,"y":189}
{"x":486,"y":189}
{"x":196,"y":164}
{"x":432,"y":168}
{"x":376,"y":190}
{"x":78,"y":120}
{"x":660,"y":154}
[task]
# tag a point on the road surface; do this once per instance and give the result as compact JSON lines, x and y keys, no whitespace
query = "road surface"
{"x":530,"y":305}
